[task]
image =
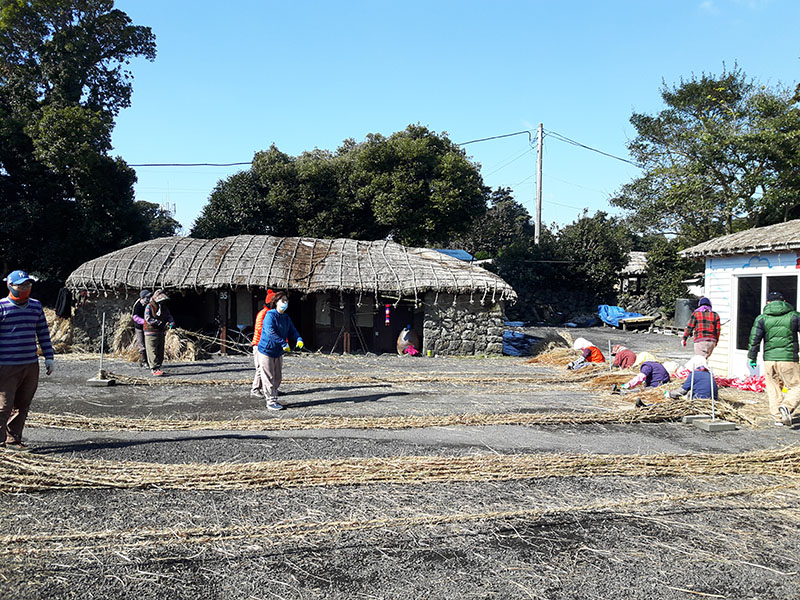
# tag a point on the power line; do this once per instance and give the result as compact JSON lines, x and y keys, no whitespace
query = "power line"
{"x":233,"y":164}
{"x":563,"y":138}
{"x":497,"y":137}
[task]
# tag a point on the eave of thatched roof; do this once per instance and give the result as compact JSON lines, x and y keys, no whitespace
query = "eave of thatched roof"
{"x":782,"y":237}
{"x":637,"y":264}
{"x":303,"y":264}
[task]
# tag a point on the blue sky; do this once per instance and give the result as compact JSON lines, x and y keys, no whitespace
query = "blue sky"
{"x":231,"y":79}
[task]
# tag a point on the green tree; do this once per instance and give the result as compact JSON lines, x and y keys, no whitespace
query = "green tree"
{"x":506,"y":222}
{"x":415,"y":186}
{"x":62,"y":83}
{"x":665,"y":271}
{"x":160,"y":222}
{"x":596,"y":249}
{"x":714,"y":160}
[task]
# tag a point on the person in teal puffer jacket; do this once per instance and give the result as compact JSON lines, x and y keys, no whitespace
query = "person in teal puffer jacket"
{"x":778,"y":327}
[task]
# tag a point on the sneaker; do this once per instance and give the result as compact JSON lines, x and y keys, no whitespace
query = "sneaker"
{"x":274,"y":405}
{"x":786,"y":416}
{"x":778,"y":423}
{"x":158,"y":373}
{"x":255,"y":394}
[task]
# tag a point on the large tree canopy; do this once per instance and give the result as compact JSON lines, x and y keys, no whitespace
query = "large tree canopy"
{"x":415,"y":186}
{"x":62,"y":82}
{"x":722,"y":154}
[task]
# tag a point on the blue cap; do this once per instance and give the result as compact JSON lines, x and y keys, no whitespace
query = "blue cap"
{"x":18,"y":277}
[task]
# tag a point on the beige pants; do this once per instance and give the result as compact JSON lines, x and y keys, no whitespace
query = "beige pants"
{"x":271,"y":375}
{"x":257,"y":385}
{"x":18,"y":384}
{"x":777,"y":375}
{"x":704,"y":348}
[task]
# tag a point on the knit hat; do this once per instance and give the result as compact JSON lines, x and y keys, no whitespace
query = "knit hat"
{"x":270,"y":294}
{"x":774,"y":296}
{"x":616,"y":349}
{"x":704,"y":302}
{"x":145,"y":294}
{"x":696,"y":362}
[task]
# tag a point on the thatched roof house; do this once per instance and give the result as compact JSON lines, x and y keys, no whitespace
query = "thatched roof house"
{"x":354,"y":275}
{"x":740,"y":270}
{"x":781,"y":237}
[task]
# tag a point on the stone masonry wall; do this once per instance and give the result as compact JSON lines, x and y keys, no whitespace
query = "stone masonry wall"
{"x":462,"y":328}
{"x":87,"y":319}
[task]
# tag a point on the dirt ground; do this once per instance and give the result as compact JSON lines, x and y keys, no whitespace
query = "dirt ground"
{"x":629,"y":534}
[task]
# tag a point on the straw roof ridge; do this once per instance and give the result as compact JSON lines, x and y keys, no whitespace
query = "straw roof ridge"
{"x":295,"y":263}
{"x":781,"y":237}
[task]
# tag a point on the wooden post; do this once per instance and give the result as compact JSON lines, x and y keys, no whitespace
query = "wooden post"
{"x":223,"y":321}
{"x":538,"y":220}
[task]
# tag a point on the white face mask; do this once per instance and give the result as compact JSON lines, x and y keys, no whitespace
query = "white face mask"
{"x":282,"y":306}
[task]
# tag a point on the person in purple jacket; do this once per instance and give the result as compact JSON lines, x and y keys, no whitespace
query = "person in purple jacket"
{"x":651,"y":374}
{"x":22,"y":322}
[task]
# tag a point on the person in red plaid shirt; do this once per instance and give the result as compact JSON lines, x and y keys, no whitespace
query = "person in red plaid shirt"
{"x":704,"y":324}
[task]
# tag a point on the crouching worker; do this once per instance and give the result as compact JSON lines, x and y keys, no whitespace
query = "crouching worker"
{"x":651,"y":373}
{"x":277,"y":329}
{"x":623,"y":357}
{"x":700,"y":382}
{"x":591,"y":354}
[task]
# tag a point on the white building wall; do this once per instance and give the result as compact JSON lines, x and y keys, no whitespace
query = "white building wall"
{"x":721,"y":289}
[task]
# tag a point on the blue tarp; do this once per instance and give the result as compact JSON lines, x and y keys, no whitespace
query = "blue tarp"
{"x":612,"y":314}
{"x":518,"y":344}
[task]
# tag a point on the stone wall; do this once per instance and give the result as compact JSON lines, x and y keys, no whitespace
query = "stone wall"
{"x":87,"y":319}
{"x":462,"y":328}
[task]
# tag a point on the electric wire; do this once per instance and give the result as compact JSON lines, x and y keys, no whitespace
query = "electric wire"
{"x":565,"y":139}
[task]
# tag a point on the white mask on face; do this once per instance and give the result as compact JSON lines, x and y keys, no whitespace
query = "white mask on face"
{"x":282,"y":306}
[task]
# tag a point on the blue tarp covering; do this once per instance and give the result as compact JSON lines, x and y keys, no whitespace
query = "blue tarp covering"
{"x":518,"y":344}
{"x":612,"y":314}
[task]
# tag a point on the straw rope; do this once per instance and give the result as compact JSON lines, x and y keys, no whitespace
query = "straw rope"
{"x":22,"y":472}
{"x":297,"y":530}
{"x":466,"y":379}
{"x":657,"y":413}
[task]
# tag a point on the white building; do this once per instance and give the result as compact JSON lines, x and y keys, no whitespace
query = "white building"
{"x":741,"y":269}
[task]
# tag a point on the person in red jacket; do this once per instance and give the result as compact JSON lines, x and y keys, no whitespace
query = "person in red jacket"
{"x":257,"y":389}
{"x":623,"y":357}
{"x":704,"y":324}
{"x":590,"y":353}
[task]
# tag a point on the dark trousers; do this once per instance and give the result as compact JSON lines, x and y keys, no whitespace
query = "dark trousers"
{"x":155,"y":349}
{"x":18,"y":384}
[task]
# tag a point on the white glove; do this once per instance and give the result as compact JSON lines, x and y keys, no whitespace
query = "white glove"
{"x":49,"y":365}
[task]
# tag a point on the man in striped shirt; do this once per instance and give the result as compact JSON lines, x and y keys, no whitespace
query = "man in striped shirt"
{"x":22,"y":321}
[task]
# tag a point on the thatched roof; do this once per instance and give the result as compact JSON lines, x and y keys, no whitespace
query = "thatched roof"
{"x":782,"y":237}
{"x":637,"y":264}
{"x":294,"y":263}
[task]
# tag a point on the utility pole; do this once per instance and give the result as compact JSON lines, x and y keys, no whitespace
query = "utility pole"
{"x":538,"y":225}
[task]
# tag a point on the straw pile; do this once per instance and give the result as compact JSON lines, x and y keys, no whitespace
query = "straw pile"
{"x":60,"y":331}
{"x":177,"y":347}
{"x":301,"y":530}
{"x":658,"y":413}
{"x":37,"y":473}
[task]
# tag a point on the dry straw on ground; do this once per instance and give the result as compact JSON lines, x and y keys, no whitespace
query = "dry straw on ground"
{"x":657,"y":413}
{"x":94,"y":543}
{"x":37,"y":473}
